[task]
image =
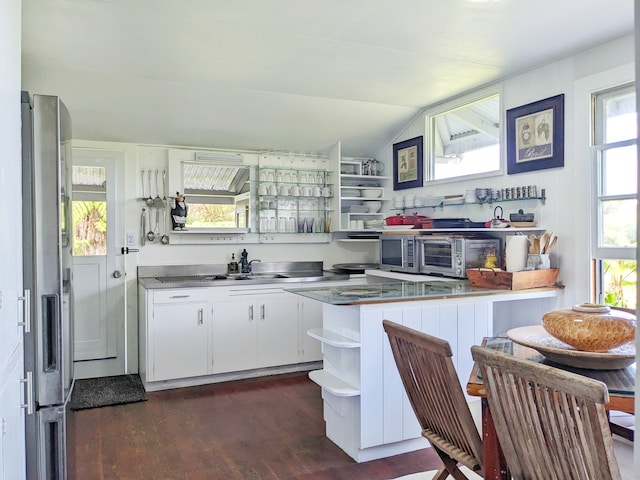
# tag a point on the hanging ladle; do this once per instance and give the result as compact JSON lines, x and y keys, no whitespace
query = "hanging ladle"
{"x":165,"y":238}
{"x":151,"y":236}
{"x":149,"y":198}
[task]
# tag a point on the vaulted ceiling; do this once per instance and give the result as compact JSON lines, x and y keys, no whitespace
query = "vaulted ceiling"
{"x":293,"y":75}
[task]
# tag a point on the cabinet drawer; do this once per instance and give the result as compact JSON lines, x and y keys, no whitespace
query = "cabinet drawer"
{"x":180,"y":295}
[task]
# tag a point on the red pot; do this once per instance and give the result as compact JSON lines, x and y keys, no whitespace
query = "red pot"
{"x":397,"y":219}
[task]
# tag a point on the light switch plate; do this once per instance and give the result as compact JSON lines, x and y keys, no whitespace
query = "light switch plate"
{"x":131,"y":239}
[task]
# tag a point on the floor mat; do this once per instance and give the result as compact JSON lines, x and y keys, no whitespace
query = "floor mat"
{"x":106,"y":391}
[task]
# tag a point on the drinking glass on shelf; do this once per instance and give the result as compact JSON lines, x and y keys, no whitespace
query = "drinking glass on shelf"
{"x":309,"y":224}
{"x":282,"y":224}
{"x":293,"y":225}
{"x":272,"y":224}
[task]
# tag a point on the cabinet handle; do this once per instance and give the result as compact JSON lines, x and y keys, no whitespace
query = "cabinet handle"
{"x":250,"y":312}
{"x":200,"y":316}
{"x":262,"y":312}
{"x":26,"y":298}
{"x":179,"y":296}
{"x":28,"y":406}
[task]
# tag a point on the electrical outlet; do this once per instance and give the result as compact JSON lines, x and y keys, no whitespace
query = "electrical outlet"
{"x":131,"y":239}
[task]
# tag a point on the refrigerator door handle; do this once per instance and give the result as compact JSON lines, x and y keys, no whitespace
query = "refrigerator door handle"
{"x":28,"y":406}
{"x":26,"y":311}
{"x":52,"y":333}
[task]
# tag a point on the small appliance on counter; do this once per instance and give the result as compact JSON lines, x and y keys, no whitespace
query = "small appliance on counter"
{"x":451,"y":256}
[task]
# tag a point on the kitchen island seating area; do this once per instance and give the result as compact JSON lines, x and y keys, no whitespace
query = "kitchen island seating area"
{"x":550,"y":423}
{"x":431,"y":383}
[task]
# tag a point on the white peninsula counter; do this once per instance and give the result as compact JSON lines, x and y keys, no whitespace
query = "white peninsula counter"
{"x":366,"y":411}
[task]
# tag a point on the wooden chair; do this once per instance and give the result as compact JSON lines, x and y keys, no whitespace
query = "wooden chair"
{"x":434,"y":391}
{"x":551,"y":423}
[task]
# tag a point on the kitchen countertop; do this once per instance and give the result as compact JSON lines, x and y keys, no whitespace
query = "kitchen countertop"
{"x":401,"y":291}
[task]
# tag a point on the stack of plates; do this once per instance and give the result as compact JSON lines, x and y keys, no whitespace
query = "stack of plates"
{"x":359,"y":209}
{"x":374,"y":224}
{"x":350,"y":192}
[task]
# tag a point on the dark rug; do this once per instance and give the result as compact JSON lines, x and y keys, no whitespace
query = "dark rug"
{"x":106,"y":391}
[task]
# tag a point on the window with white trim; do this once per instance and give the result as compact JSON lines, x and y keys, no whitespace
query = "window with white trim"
{"x":615,"y":160}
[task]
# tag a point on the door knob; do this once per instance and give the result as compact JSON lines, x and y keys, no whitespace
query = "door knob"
{"x":117,"y":274}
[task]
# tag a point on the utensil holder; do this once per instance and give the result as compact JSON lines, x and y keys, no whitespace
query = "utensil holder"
{"x":538,"y":261}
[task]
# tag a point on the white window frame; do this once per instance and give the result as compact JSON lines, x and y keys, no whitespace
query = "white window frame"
{"x":599,"y":252}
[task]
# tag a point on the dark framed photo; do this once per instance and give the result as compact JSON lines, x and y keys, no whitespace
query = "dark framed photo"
{"x":535,"y":136}
{"x":407,"y":164}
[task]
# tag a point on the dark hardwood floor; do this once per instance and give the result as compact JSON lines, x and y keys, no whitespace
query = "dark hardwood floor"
{"x":266,"y":428}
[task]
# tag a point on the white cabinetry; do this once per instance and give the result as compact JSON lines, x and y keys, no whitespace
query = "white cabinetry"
{"x":366,"y":409}
{"x":311,"y":319}
{"x":254,"y":327}
{"x":179,"y":330}
{"x":355,"y":205}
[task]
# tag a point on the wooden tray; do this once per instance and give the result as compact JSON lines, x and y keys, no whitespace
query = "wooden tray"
{"x":495,"y":278}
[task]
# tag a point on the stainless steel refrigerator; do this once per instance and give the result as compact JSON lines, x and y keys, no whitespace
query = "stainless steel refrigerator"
{"x":48,"y":342}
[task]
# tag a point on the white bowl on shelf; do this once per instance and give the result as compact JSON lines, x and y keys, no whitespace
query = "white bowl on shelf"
{"x":371,"y":193}
{"x":374,"y":207}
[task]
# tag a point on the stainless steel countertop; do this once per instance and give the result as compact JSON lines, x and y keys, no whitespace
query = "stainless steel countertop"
{"x":215,"y":275}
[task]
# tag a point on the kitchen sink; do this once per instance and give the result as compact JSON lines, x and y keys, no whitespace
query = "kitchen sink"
{"x":257,"y":276}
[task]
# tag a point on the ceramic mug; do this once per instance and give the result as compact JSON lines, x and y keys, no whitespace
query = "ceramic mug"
{"x":263,"y":190}
{"x":326,"y":192}
{"x":316,"y":191}
{"x":295,"y":190}
{"x":273,"y":190}
{"x":306,"y":191}
{"x":284,"y":190}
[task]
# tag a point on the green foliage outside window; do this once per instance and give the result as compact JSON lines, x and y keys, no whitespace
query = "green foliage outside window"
{"x":89,"y":228}
{"x":211,"y":216}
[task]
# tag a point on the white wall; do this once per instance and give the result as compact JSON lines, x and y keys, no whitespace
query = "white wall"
{"x":565,"y":211}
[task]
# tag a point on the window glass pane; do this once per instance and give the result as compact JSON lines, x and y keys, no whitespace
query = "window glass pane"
{"x":464,"y":140}
{"x":619,"y":167}
{"x":619,"y":283}
{"x":202,"y":215}
{"x":467,"y":163}
{"x":620,"y":117}
{"x":618,"y":223}
{"x":89,"y":176}
{"x":89,"y":227}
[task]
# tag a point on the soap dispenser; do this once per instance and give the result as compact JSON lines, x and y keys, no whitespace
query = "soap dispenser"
{"x":244,"y":261}
{"x":233,"y":265}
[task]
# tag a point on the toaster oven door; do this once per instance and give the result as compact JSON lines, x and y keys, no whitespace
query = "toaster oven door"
{"x":437,"y":256}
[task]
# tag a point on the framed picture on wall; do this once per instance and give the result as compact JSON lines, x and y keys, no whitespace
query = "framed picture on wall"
{"x":535,"y":136}
{"x":407,"y":164}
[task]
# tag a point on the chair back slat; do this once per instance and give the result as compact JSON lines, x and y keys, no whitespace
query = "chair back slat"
{"x":551,"y":423}
{"x":431,"y":383}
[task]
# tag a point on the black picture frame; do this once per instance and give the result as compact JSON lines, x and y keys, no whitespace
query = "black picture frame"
{"x":535,"y":136}
{"x":408,"y":164}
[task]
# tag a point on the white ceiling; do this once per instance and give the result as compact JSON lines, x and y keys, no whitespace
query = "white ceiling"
{"x":294,"y":75}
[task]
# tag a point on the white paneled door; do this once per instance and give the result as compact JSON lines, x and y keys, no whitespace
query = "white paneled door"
{"x":98,"y":279}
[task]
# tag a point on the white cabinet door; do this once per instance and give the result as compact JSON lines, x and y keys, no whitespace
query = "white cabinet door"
{"x":12,"y":454}
{"x":180,"y":338}
{"x":278,"y":329}
{"x":234,"y":335}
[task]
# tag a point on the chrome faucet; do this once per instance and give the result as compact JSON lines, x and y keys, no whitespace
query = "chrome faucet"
{"x":247,"y":268}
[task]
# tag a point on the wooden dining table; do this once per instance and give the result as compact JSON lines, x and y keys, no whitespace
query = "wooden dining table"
{"x":620,"y":383}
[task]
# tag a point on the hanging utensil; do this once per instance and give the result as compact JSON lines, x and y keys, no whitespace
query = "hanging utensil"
{"x":165,"y":238}
{"x":142,"y":182}
{"x":150,"y":235}
{"x":156,"y":230}
{"x":157,"y":202}
{"x":164,"y":186}
{"x":149,"y":198}
{"x":143,"y":225}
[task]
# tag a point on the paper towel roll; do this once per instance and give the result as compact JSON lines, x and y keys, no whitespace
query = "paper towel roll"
{"x":516,"y":252}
